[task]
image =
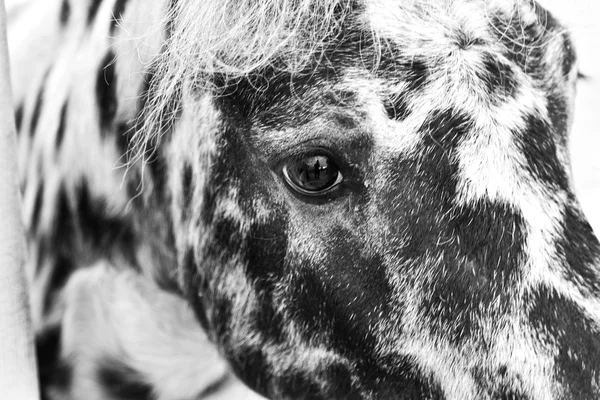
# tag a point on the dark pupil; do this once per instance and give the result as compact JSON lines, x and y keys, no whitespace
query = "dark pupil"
{"x":313,"y":173}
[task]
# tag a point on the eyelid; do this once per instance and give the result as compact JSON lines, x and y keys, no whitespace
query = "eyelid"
{"x":308,"y":149}
{"x":322,"y":145}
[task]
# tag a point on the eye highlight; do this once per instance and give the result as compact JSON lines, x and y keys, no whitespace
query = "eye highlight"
{"x":312,"y":175}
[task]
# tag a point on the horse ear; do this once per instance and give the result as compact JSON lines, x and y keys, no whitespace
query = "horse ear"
{"x":18,"y":376}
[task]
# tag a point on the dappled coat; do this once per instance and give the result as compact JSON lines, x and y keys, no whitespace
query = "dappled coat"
{"x":304,"y":200}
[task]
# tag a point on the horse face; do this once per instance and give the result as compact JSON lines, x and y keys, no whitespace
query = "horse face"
{"x":363,"y":229}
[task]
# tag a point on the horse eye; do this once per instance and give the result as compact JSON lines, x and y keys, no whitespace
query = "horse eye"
{"x":312,"y":175}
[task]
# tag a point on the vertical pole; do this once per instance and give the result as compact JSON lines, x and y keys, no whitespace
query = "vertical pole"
{"x":18,"y":372}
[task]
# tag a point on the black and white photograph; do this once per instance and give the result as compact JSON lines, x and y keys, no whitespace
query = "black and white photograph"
{"x":299,"y":200}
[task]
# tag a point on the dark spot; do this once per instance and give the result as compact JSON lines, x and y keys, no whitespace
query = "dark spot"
{"x":445,"y":129}
{"x":431,"y":175}
{"x":102,"y":229}
{"x":266,"y":251}
{"x":508,"y":393}
{"x":60,"y":132}
{"x":576,"y":338}
{"x":472,"y":252}
{"x":19,"y":117}
{"x":216,"y":386}
{"x":523,"y":42}
{"x":227,"y":232}
{"x":300,"y":385}
{"x":482,"y":249}
{"x":221,"y":313}
{"x":331,"y":315}
{"x":187,"y":186}
{"x":339,"y":383}
{"x":188,"y":264}
{"x":157,"y":166}
{"x":172,"y":8}
{"x":341,"y":308}
{"x":466,"y":41}
{"x":124,"y":132}
{"x":397,"y":107}
{"x":61,"y":271}
{"x":339,"y":98}
{"x":208,"y":204}
{"x":539,"y":148}
{"x":117,"y":14}
{"x":339,"y":301}
{"x":37,"y":207}
{"x":569,"y":55}
{"x":37,"y":109}
{"x":267,"y":248}
{"x":502,"y":371}
{"x":64,"y":223}
{"x":413,"y":72}
{"x":401,"y":379}
{"x":120,"y":381}
{"x":333,"y":382}
{"x":491,"y":236}
{"x":65,"y":12}
{"x":277,"y":98}
{"x":345,"y":121}
{"x":250,"y":365}
{"x":267,"y":96}
{"x":580,"y":248}
{"x":145,"y":90}
{"x":559,"y":116}
{"x":499,"y":384}
{"x":106,"y":92}
{"x":416,"y":73}
{"x":93,"y":10}
{"x":52,"y":371}
{"x":498,"y":76}
{"x":86,"y":230}
{"x":266,"y":319}
{"x":36,"y":112}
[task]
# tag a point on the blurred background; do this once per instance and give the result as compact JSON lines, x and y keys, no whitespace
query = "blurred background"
{"x":582,"y":18}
